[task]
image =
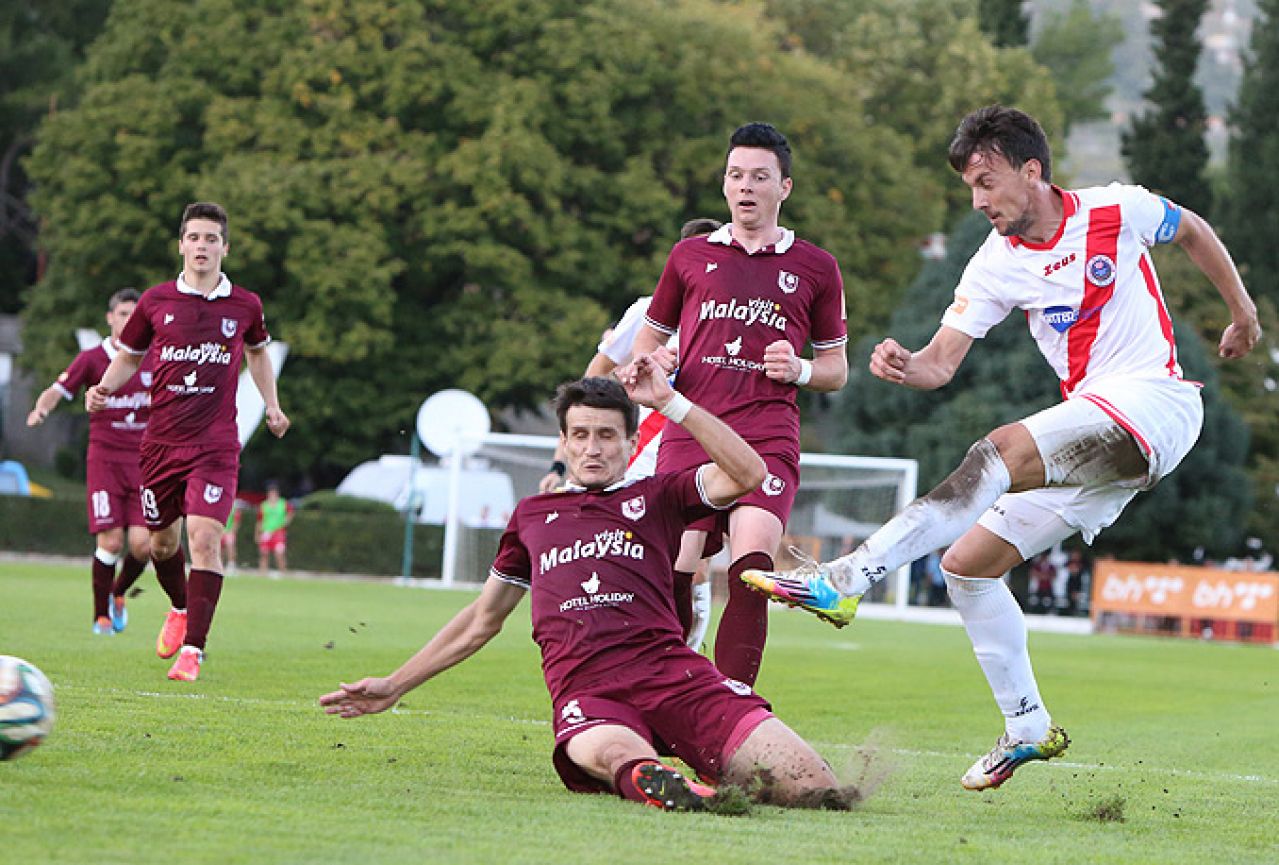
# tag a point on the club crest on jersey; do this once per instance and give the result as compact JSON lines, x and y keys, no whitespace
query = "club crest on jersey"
{"x":212,"y":493}
{"x":1101,"y":270}
{"x":787,"y":281}
{"x":634,"y":508}
{"x":228,"y":327}
{"x":773,"y":485}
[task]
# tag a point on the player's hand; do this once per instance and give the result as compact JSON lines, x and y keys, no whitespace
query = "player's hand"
{"x":550,"y":482}
{"x":36,"y":417}
{"x":667,"y":360}
{"x":780,"y":361}
{"x":277,"y":422}
{"x":889,"y":361}
{"x":1239,"y":337}
{"x":365,"y":697}
{"x":95,"y":398}
{"x":649,"y":386}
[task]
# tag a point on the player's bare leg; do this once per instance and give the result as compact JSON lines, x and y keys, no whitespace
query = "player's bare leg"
{"x":780,"y":768}
{"x":622,"y":758}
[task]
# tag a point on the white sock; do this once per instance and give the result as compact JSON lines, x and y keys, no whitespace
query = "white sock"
{"x":928,"y":523}
{"x":997,"y":628}
{"x":701,"y":615}
{"x":107,"y":557}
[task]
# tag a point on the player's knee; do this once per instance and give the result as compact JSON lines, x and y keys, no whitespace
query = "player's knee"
{"x":140,"y":549}
{"x":163,"y":547}
{"x":111,"y":543}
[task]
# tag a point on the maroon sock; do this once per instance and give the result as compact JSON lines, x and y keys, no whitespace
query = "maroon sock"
{"x":684,"y":600}
{"x":130,"y":568}
{"x":206,"y":588}
{"x":743,"y":626}
{"x":172,"y":574}
{"x":624,"y":784}
{"x":103,"y":574}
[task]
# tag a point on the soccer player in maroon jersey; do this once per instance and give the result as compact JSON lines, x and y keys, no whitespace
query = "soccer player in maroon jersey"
{"x":745,"y":300}
{"x":596,"y":557}
{"x":198,"y":328}
{"x":111,"y":468}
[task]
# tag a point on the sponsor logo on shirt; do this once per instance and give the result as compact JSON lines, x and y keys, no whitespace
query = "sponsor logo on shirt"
{"x":757,"y":310}
{"x":787,"y":281}
{"x":1050,"y":269}
{"x":1101,"y":270}
{"x":595,"y":598}
{"x":733,"y":347}
{"x":205,"y":352}
{"x":614,"y":543}
{"x":132,"y":401}
{"x":592,"y":585}
{"x":1063,"y":318}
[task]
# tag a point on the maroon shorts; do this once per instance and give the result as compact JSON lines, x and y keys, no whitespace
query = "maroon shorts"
{"x":111,"y":494}
{"x":678,"y":701}
{"x":187,"y":480}
{"x":776,"y":495}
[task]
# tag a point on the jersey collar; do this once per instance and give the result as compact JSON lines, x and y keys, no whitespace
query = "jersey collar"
{"x":223,"y":289}
{"x":724,"y":235}
{"x":1069,"y":205}
{"x":570,"y":487}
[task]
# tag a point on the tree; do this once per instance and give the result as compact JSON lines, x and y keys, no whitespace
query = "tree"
{"x":439,"y":194}
{"x":39,"y":49}
{"x":1077,"y":46}
{"x":1005,"y":22}
{"x":1165,"y":149}
{"x":1250,"y":217}
{"x":1004,"y":378}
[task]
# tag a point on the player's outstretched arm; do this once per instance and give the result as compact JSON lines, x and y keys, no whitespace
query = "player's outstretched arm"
{"x":263,"y":376}
{"x":464,"y":635}
{"x":46,"y":402}
{"x":931,"y":367}
{"x":120,"y":370}
{"x":1209,"y":254}
{"x":737,"y":468}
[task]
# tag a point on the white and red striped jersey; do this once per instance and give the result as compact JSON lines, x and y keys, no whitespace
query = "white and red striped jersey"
{"x":618,"y":347}
{"x":1090,"y":294}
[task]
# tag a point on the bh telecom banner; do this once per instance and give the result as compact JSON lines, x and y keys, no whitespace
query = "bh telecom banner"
{"x":1185,"y":592}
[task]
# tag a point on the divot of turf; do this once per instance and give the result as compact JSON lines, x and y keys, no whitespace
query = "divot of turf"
{"x":1110,"y":810}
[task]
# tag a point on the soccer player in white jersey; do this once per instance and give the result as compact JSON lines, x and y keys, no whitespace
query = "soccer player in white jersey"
{"x":1078,"y":263}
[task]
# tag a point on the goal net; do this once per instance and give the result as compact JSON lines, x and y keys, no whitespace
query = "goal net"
{"x":841,"y":500}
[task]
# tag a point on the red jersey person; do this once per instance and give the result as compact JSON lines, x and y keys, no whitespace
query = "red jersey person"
{"x":198,"y":328}
{"x":111,"y":468}
{"x":595,"y":559}
{"x":745,"y":300}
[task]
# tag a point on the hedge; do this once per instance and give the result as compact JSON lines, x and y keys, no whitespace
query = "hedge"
{"x":319,"y":540}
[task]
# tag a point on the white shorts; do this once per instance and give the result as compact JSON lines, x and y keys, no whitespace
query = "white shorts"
{"x":1164,"y":416}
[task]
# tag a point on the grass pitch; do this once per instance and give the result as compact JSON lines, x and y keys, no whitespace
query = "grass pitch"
{"x":1173,"y":757}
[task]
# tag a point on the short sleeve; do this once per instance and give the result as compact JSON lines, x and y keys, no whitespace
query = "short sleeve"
{"x":619,"y":346}
{"x":257,"y":335}
{"x":512,"y":563}
{"x":668,"y":300}
{"x":978,"y":304}
{"x":75,"y":376}
{"x":1152,"y":217}
{"x":138,"y":330}
{"x":829,"y":328}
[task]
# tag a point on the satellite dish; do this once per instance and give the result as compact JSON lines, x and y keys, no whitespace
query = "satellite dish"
{"x":452,"y":421}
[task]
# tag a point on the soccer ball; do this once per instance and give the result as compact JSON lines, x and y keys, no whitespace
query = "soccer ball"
{"x":26,"y":707}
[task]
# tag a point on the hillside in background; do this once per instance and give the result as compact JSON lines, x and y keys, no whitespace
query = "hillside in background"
{"x":1093,"y":148}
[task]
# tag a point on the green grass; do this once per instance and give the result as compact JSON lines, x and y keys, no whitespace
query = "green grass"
{"x":1173,"y":757}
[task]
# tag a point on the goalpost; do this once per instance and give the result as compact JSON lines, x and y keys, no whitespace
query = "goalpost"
{"x":841,"y":500}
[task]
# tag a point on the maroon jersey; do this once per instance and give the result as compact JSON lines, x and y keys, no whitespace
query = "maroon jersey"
{"x":197,"y":344}
{"x":728,"y":305}
{"x":598,"y":563}
{"x":116,"y":431}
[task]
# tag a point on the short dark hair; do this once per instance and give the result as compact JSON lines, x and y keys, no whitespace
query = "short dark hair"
{"x":765,"y":136}
{"x":1011,"y":133}
{"x":124,"y":295}
{"x":204,"y":210}
{"x":596,"y":392}
{"x":700,"y":225}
